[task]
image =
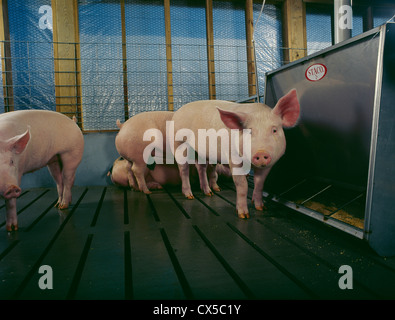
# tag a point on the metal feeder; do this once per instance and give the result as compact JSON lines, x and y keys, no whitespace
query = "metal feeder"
{"x":339,"y":166}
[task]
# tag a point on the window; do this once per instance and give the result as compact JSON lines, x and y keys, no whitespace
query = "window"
{"x":101,"y":64}
{"x":268,"y":41}
{"x":146,"y":55}
{"x":230,"y":51}
{"x":119,"y":67}
{"x":30,"y":24}
{"x":382,"y":15}
{"x":318,"y":27}
{"x":189,"y":51}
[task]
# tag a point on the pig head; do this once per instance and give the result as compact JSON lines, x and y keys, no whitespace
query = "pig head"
{"x":30,"y":140}
{"x":10,"y":151}
{"x":266,"y":135}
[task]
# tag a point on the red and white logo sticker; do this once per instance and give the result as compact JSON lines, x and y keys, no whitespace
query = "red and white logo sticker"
{"x":315,"y":72}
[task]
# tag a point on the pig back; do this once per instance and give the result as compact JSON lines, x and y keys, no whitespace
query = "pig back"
{"x":129,"y":141}
{"x":201,"y":115}
{"x":51,"y":133}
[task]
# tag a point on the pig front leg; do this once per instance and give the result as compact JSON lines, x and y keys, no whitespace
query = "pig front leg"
{"x":241,"y":196}
{"x":259,"y":180}
{"x":11,"y":216}
{"x":185,"y":183}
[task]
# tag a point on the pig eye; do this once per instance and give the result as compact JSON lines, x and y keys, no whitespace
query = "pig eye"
{"x":11,"y":162}
{"x":274,"y":130}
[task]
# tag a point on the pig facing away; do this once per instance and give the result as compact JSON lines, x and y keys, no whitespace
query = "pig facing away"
{"x":267,"y":139}
{"x":130,"y":144}
{"x":30,"y":140}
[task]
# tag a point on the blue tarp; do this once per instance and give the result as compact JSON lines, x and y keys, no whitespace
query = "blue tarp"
{"x":102,"y":78}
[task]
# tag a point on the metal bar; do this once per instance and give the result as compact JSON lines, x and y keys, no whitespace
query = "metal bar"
{"x":374,"y":133}
{"x":356,"y":232}
{"x":293,"y":187}
{"x":124,"y":64}
{"x":316,"y":194}
{"x":344,"y":205}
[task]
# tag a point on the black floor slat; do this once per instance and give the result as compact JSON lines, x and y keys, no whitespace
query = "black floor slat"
{"x":114,"y":243}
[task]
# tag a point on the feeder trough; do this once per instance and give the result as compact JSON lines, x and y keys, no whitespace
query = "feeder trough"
{"x":339,"y":166}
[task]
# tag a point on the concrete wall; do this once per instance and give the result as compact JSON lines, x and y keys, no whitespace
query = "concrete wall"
{"x":99,"y":154}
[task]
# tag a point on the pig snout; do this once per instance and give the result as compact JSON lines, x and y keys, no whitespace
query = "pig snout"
{"x":261,"y":158}
{"x":12,"y":192}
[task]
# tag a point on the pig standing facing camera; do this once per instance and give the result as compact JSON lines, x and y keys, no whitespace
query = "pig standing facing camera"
{"x":30,"y":140}
{"x":267,"y":139}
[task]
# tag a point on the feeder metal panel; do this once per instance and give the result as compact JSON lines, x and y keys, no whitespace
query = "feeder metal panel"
{"x":339,"y":163}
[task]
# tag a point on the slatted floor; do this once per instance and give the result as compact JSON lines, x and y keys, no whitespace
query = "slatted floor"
{"x":119,"y":244}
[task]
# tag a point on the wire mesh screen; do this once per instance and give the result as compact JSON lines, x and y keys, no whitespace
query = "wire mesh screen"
{"x":382,"y":15}
{"x":230,"y":51}
{"x":318,"y":26}
{"x":2,"y":100}
{"x":268,"y":41}
{"x":119,"y":67}
{"x":189,"y":51}
{"x":32,"y":67}
{"x":146,"y":56}
{"x":101,"y":64}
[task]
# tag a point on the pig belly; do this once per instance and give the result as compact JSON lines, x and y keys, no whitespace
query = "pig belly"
{"x":166,"y":174}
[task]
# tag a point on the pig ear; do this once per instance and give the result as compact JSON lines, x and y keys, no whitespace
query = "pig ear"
{"x":233,"y":120}
{"x":18,"y":143}
{"x":288,"y":108}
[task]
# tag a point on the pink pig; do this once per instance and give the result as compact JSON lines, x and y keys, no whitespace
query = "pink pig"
{"x":130,"y":144}
{"x":267,"y":139}
{"x":133,"y":171}
{"x":30,"y":140}
{"x":161,"y":174}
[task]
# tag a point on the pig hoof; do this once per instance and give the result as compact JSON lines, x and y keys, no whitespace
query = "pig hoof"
{"x":189,"y":196}
{"x":147,"y":191}
{"x":209,"y":194}
{"x":216,"y":189}
{"x":12,"y":227}
{"x":154,"y":186}
{"x":63,"y":206}
{"x":260,"y":206}
{"x":244,"y":215}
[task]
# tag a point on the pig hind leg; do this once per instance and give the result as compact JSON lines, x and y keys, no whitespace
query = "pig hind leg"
{"x":139,"y":172}
{"x":131,"y":178}
{"x":152,"y":184}
{"x":68,"y":163}
{"x":213,"y":177}
{"x":202,"y":172}
{"x":185,"y":183}
{"x":55,"y":168}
